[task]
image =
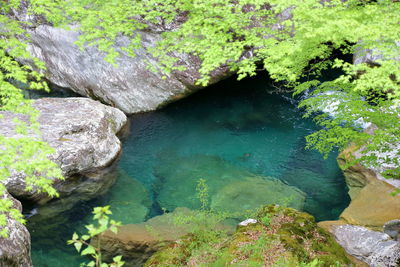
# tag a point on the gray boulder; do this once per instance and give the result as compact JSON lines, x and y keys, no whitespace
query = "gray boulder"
{"x":374,"y":248}
{"x":83,"y":133}
{"x":129,"y":85}
{"x":392,"y":228}
{"x":15,"y":250}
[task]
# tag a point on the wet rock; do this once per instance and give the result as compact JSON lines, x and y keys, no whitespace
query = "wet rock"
{"x":15,"y":250}
{"x":374,"y":248}
{"x":392,"y":229}
{"x":229,"y":188}
{"x":83,"y":133}
{"x":79,"y":189}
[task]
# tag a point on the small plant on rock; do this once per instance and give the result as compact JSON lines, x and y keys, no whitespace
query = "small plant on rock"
{"x":266,"y":220}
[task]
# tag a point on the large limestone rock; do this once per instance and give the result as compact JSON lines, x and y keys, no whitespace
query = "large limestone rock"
{"x":371,"y":207}
{"x":374,"y":248}
{"x":83,"y":133}
{"x":15,"y":250}
{"x":129,"y":85}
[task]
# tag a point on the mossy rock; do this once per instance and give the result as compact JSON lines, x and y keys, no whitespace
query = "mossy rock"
{"x":301,"y":235}
{"x":282,"y":237}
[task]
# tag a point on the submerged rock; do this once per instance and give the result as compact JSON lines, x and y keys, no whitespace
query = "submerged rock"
{"x":322,"y":190}
{"x":179,"y":177}
{"x":280,"y":237}
{"x":129,"y":199}
{"x":253,"y":192}
{"x":15,"y":250}
{"x":229,"y":188}
{"x":374,"y":248}
{"x":83,"y":133}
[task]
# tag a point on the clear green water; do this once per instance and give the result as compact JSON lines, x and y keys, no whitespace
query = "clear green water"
{"x":234,"y":135}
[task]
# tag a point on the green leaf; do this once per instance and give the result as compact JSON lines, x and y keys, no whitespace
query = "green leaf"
{"x":75,"y":236}
{"x":78,"y":246}
{"x":117,"y":258}
{"x":89,"y":250}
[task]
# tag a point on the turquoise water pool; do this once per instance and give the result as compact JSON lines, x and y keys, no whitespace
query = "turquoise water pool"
{"x":247,"y":144}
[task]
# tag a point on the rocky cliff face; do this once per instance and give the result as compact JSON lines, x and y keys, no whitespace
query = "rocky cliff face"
{"x":129,"y":86}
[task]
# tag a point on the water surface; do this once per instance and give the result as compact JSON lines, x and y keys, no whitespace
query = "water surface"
{"x":232,"y":135}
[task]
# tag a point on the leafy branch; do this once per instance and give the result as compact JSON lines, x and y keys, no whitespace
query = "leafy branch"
{"x":83,"y":243}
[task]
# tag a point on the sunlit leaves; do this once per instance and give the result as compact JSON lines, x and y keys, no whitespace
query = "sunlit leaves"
{"x":348,"y":113}
{"x":284,"y":36}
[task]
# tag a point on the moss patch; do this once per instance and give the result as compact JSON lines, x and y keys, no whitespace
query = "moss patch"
{"x":282,"y":237}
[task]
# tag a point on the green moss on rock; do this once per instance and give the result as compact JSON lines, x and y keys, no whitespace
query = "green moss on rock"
{"x":300,"y":234}
{"x":282,"y":237}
